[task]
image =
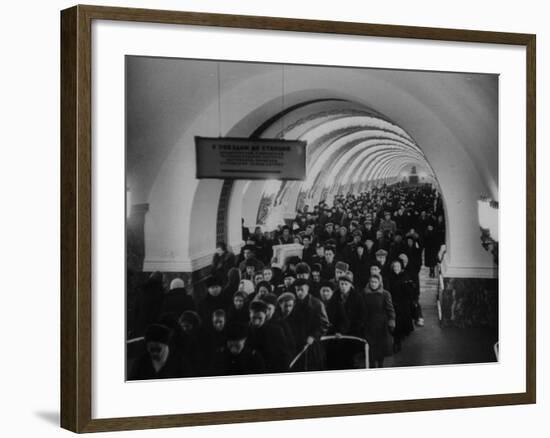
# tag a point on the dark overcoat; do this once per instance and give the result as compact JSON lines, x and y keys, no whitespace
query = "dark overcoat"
{"x":379,"y":313}
{"x":269,"y":340}
{"x":401,"y":288}
{"x":309,"y":318}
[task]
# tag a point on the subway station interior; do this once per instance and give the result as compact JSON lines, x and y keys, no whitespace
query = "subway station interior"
{"x":364,"y":129}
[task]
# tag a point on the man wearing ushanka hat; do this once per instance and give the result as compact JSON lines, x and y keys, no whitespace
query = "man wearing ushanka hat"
{"x":309,"y":322}
{"x":160,"y":360}
{"x":334,"y":308}
{"x":287,"y":285}
{"x":353,"y":305}
{"x":268,"y":339}
{"x":303,"y":270}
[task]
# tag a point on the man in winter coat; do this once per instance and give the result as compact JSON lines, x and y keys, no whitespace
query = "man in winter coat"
{"x":387,"y":224}
{"x":354,"y":306}
{"x":160,"y":361}
{"x":213,"y":300}
{"x":268,"y":339}
{"x":336,"y":313}
{"x":309,"y":321}
{"x":359,"y":265}
{"x":177,"y":300}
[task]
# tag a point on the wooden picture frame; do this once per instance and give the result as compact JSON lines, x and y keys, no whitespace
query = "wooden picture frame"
{"x":76,"y":217}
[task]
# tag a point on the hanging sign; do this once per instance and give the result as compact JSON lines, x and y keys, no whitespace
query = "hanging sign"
{"x":245,"y":158}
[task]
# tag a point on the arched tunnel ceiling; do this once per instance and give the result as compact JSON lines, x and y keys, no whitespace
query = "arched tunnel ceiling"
{"x":167,"y":95}
{"x":347,"y":144}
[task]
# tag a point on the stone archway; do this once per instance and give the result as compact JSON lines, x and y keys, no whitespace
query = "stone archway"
{"x":178,"y":203}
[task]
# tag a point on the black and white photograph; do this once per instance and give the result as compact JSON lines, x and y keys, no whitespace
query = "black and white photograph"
{"x":286,"y":218}
{"x":274,"y":219}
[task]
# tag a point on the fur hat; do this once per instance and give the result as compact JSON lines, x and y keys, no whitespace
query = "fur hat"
{"x":302,"y":268}
{"x":158,"y":333}
{"x":316,"y":267}
{"x":270,"y":299}
{"x":293,"y":260}
{"x":346,"y":277}
{"x":286,"y":296}
{"x":263,"y":284}
{"x":341,"y":266}
{"x":258,"y":306}
{"x":213,"y":281}
{"x":301,"y":282}
{"x":191,"y":317}
{"x":241,"y":294}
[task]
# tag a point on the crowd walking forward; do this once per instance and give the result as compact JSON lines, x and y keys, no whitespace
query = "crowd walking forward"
{"x":357,"y":278}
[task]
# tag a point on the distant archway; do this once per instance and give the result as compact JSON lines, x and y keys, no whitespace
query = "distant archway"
{"x":349,"y":147}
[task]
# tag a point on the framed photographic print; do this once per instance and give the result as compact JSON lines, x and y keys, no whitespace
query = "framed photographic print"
{"x":342,"y":214}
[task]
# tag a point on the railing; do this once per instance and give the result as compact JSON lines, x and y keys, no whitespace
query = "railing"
{"x":333,"y":338}
{"x":304,"y":349}
{"x":440,"y":281}
{"x":440,"y":287}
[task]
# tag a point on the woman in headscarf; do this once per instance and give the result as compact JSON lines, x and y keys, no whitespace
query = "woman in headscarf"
{"x":380,"y":321}
{"x":262,"y":289}
{"x":246,"y":286}
{"x":238,"y":311}
{"x":177,"y":300}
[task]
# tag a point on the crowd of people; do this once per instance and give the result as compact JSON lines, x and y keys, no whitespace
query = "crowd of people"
{"x":358,"y":276}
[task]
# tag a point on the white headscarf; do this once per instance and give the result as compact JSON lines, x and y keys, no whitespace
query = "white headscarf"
{"x":246,"y":286}
{"x":176,"y":283}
